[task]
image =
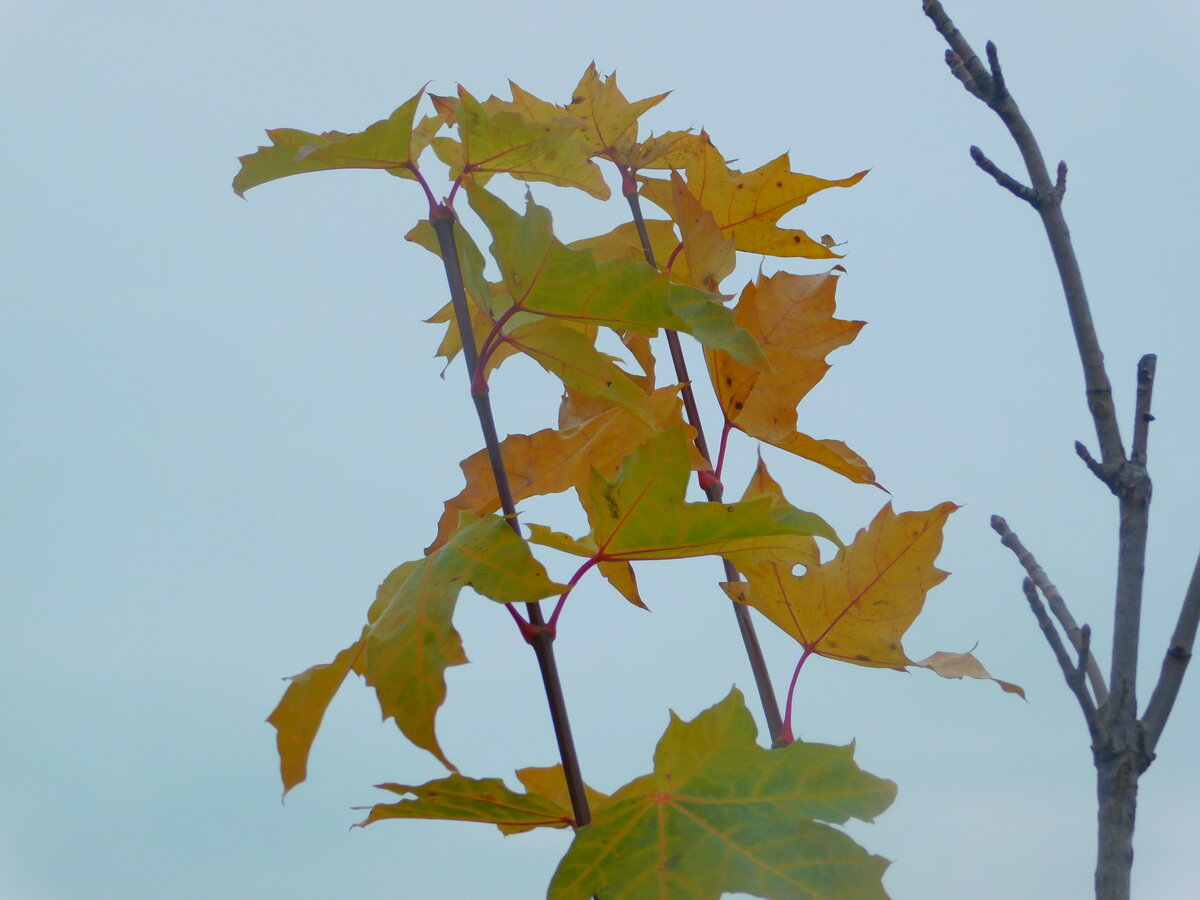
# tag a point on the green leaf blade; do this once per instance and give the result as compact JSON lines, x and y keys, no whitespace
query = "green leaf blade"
{"x":721,"y":814}
{"x":388,"y":144}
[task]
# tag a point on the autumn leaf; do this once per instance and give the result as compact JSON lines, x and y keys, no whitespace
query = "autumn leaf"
{"x":748,"y":205}
{"x":706,"y":253}
{"x":964,"y":665}
{"x":792,"y":318}
{"x":504,"y":141}
{"x":543,"y":276}
{"x":669,"y":150}
{"x":411,"y":640}
{"x":545,"y":804}
{"x":720,"y":814}
{"x":388,"y":144}
{"x":563,"y":347}
{"x":298,"y":716}
{"x":609,"y":120}
{"x":624,"y":242}
{"x":857,"y":606}
{"x":642,"y":515}
{"x":802,"y":552}
{"x":553,"y":460}
{"x":463,"y":799}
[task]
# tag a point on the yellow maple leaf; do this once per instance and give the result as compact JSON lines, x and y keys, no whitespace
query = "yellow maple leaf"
{"x":749,"y":205}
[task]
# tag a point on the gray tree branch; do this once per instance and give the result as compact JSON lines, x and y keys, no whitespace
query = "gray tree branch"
{"x":1073,"y":673}
{"x":1058,"y":606}
{"x":1174,"y":666}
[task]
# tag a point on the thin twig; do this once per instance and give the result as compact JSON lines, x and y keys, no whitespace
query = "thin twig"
{"x":1142,"y":417}
{"x":1072,"y":673}
{"x":1175,"y":664}
{"x":1057,"y":605}
{"x":1006,"y":181}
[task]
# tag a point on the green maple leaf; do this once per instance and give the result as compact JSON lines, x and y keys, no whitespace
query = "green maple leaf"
{"x":642,"y":515}
{"x":392,"y":144}
{"x":546,"y":802}
{"x":530,"y":150}
{"x":410,"y":639}
{"x":720,"y":814}
{"x":544,"y":276}
{"x":564,"y":347}
{"x":747,"y":206}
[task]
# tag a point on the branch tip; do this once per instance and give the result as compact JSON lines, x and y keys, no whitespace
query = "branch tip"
{"x":1002,"y":178}
{"x":999,"y":91}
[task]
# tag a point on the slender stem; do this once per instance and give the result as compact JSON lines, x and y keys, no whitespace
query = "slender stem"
{"x":558,"y":607}
{"x":786,"y":736}
{"x":539,"y":637}
{"x":728,"y":427}
{"x":712,"y":488}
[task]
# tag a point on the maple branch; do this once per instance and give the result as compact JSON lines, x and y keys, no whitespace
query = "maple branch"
{"x":712,"y":488}
{"x":539,"y":636}
{"x":1058,"y":606}
{"x":1071,"y":672}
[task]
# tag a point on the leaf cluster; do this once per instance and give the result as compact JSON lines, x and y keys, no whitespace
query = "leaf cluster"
{"x":717,"y":813}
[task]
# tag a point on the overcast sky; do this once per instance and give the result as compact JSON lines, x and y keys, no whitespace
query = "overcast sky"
{"x":222,"y":425}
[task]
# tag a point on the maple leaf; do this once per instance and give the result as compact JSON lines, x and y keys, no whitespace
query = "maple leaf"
{"x":609,"y":120}
{"x":642,"y":515}
{"x":545,"y":804}
{"x":410,"y":640}
{"x":706,"y":252}
{"x":463,"y":799}
{"x":857,"y":606}
{"x":298,"y":716}
{"x":801,"y":552}
{"x":544,"y":276}
{"x":748,"y":205}
{"x":504,"y":141}
{"x":669,"y":150}
{"x":624,"y":242}
{"x":391,"y":144}
{"x":553,"y":460}
{"x":721,"y":814}
{"x":792,"y":318}
{"x":563,"y":347}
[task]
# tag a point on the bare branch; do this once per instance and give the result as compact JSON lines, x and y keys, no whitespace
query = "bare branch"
{"x":1072,"y":673}
{"x":1057,"y":605}
{"x":1006,"y":181}
{"x":1175,"y":664}
{"x":1049,"y":207}
{"x":1142,"y":417}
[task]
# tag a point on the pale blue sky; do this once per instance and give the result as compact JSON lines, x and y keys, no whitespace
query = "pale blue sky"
{"x":223,"y":425}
